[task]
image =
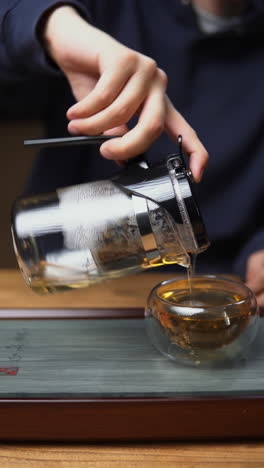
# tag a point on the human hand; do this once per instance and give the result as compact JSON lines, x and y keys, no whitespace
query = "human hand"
{"x":111,"y":84}
{"x":255,"y":275}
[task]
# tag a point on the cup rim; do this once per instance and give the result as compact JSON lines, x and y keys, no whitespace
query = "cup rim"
{"x":249,"y":294}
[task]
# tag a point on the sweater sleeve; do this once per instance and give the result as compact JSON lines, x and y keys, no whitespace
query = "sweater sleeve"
{"x":21,"y":52}
{"x":253,"y":245}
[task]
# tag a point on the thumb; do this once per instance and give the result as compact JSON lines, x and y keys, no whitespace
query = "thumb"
{"x":118,"y":131}
{"x":176,"y":125}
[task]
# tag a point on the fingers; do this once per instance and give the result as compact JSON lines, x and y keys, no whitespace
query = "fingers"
{"x":118,"y":96}
{"x":103,"y":108}
{"x":118,"y":131}
{"x":106,"y":90}
{"x":256,"y":284}
{"x":255,"y":272}
{"x":255,"y":275}
{"x":176,"y":125}
{"x":150,"y":125}
{"x":260,"y":301}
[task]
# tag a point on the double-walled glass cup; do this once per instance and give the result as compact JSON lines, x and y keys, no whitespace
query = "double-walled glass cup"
{"x":207,"y":320}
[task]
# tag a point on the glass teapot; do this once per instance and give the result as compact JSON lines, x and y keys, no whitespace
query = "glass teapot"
{"x":146,"y":216}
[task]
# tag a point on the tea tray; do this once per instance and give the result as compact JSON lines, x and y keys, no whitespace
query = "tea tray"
{"x":92,"y":375}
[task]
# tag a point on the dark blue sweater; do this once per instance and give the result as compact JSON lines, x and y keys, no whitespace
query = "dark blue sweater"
{"x":216,"y":82}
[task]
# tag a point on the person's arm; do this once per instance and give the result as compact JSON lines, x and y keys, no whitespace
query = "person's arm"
{"x":21,"y":52}
{"x":110,"y":82}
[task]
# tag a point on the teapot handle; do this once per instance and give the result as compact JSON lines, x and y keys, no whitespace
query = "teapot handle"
{"x":69,"y":141}
{"x":83,"y":140}
{"x":92,"y":140}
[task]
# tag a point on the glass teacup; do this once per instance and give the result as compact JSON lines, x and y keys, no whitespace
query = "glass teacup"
{"x":207,"y":320}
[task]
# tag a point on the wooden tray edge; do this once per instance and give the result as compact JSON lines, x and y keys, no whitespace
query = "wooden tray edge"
{"x":71,"y":313}
{"x":127,"y":419}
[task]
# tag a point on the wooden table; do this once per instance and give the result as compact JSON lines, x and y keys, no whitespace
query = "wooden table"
{"x":132,"y":292}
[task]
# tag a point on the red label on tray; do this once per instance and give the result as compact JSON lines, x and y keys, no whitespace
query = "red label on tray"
{"x":8,"y":371}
